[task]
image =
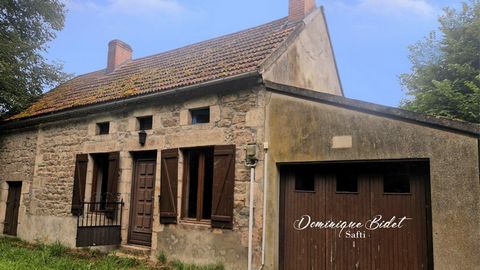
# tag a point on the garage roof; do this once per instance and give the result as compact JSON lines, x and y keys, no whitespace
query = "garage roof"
{"x":439,"y":122}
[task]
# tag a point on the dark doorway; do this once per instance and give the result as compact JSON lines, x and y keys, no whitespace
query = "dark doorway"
{"x":141,"y":213}
{"x":355,"y":192}
{"x":13,"y":204}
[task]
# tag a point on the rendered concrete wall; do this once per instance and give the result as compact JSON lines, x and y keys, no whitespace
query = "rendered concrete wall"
{"x":300,"y":130}
{"x":45,"y":160}
{"x":308,"y":61}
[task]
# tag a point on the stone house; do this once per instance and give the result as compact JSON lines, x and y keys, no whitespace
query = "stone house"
{"x":224,"y":151}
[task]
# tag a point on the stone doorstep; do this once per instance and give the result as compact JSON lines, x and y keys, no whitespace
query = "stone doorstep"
{"x":134,"y":251}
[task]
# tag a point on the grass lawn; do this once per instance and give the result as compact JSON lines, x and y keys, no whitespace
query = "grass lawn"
{"x":17,"y":254}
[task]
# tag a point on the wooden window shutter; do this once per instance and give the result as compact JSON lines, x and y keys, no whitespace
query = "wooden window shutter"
{"x":223,"y":186}
{"x":79,"y":181}
{"x":168,"y":185}
{"x":112,"y":185}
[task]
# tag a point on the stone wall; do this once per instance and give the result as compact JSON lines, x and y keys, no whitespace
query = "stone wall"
{"x":17,"y":160}
{"x":237,"y":117}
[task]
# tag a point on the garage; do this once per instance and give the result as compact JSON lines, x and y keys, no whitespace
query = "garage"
{"x":356,"y":215}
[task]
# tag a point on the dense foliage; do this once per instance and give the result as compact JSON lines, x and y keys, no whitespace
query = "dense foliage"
{"x":26,"y":26}
{"x":445,"y":77}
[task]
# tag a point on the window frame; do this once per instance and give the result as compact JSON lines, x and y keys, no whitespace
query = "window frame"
{"x":200,"y":185}
{"x":99,"y":129}
{"x":142,"y":118}
{"x":195,"y":110}
{"x":93,"y":192}
{"x":401,"y":193}
{"x":305,"y":173}
{"x":347,"y":174}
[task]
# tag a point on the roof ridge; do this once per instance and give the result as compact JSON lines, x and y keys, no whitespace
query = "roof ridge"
{"x":224,"y":56}
{"x":211,"y":39}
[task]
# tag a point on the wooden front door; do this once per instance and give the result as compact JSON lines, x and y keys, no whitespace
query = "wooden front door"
{"x":13,"y":204}
{"x":354,"y":193}
{"x":141,"y":213}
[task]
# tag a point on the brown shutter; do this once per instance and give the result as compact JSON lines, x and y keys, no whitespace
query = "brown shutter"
{"x":79,"y":180}
{"x":168,"y":185}
{"x":112,"y":185}
{"x":223,"y":186}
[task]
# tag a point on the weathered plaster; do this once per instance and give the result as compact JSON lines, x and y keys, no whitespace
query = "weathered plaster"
{"x":308,"y":61}
{"x":300,"y":130}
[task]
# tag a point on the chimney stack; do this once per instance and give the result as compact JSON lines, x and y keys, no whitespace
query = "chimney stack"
{"x":118,"y":53}
{"x":298,"y":9}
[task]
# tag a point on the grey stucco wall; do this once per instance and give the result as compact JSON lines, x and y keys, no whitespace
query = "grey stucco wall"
{"x":300,"y":130}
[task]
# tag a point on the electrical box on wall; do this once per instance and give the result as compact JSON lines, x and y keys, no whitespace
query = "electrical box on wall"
{"x":251,"y":153}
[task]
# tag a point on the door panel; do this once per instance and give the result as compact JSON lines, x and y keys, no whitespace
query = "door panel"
{"x":13,"y":204}
{"x":308,"y":244}
{"x":404,"y":248}
{"x":142,"y":202}
{"x":390,"y":190}
{"x":343,"y":251}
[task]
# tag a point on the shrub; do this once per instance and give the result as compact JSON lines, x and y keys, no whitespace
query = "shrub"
{"x":56,"y":249}
{"x":161,"y":257}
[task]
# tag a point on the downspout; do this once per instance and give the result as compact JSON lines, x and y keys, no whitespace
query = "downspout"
{"x":265,"y":190}
{"x":250,"y":215}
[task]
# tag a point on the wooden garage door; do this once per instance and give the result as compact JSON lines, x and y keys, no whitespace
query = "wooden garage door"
{"x":382,"y":208}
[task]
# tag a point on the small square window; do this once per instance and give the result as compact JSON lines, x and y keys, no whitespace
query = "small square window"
{"x":347,"y":182}
{"x":145,"y":122}
{"x":103,"y":128}
{"x":396,"y":183}
{"x":200,"y":116}
{"x":304,"y":181}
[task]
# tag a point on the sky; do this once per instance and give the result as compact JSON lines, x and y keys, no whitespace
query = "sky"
{"x":370,"y":37}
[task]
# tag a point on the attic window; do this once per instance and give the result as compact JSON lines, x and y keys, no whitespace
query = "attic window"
{"x":103,"y":128}
{"x":145,"y":122}
{"x":200,"y":116}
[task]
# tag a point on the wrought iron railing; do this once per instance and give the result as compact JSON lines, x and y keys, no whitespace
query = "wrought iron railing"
{"x":100,"y":214}
{"x":99,"y":223}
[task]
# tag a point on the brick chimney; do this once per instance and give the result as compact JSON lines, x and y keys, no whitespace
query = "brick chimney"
{"x":118,"y":53}
{"x":298,"y":9}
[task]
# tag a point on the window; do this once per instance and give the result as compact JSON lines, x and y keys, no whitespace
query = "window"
{"x":304,"y":181}
{"x":199,"y":183}
{"x":100,"y":181}
{"x":200,"y":116}
{"x":145,"y":122}
{"x":207,"y":187}
{"x":105,"y":181}
{"x":347,"y":182}
{"x":103,"y":128}
{"x":396,"y":183}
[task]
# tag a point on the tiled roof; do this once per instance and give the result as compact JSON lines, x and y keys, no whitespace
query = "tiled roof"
{"x":221,"y":57}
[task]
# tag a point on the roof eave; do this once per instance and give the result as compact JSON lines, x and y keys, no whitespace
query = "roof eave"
{"x":121,"y":103}
{"x":372,"y":108}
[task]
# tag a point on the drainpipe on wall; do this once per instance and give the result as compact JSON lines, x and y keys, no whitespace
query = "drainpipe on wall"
{"x":265,"y":190}
{"x":251,"y":162}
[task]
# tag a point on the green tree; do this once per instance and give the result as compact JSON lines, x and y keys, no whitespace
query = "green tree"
{"x":26,"y":26}
{"x":445,"y":77}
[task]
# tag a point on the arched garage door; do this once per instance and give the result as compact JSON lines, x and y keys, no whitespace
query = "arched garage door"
{"x":355,"y":216}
